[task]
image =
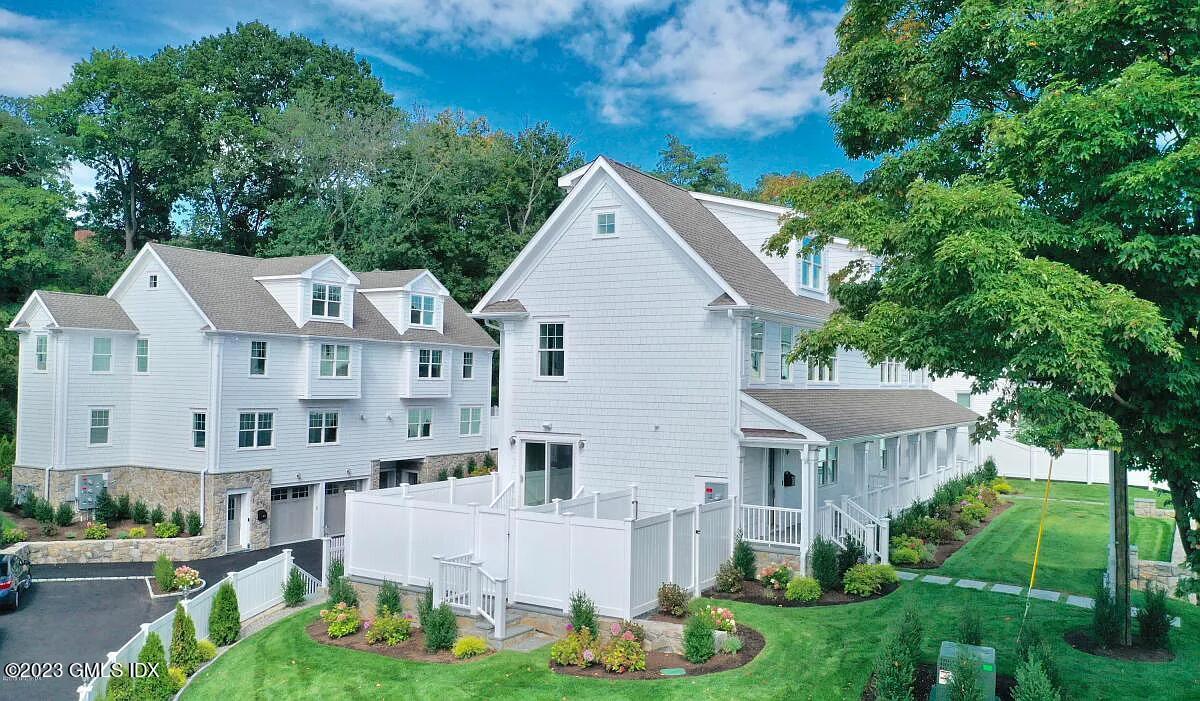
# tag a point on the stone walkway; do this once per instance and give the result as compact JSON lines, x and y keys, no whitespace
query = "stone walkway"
{"x":1083,"y":602}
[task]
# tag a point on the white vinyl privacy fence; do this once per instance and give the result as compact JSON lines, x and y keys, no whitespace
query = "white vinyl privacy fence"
{"x":259,"y":587}
{"x":1016,"y":459}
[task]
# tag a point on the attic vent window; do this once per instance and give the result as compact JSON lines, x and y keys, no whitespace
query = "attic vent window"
{"x":421,"y":310}
{"x":326,"y":300}
{"x":152,"y":282}
{"x":606,"y":224}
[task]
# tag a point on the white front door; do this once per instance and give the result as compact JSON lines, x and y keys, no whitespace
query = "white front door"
{"x":786,"y":477}
{"x":237,"y":522}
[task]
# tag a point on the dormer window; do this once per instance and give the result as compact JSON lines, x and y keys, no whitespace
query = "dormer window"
{"x":812,"y":267}
{"x":326,"y":301}
{"x":606,"y":224}
{"x":421,"y":310}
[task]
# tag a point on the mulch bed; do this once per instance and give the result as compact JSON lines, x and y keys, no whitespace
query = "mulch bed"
{"x":1081,"y":640}
{"x":752,"y":644}
{"x":755,"y":593}
{"x":927,"y":678}
{"x":411,"y":649}
{"x":945,"y":550}
{"x":75,"y":531}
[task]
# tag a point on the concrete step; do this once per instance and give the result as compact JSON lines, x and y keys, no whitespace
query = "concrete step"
{"x":511,"y":632}
{"x":510,"y":617}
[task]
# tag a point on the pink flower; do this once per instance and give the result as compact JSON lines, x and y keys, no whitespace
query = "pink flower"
{"x":341,"y":617}
{"x":628,"y":635}
{"x":589,"y":655}
{"x":616,"y":629}
{"x":570,"y":627}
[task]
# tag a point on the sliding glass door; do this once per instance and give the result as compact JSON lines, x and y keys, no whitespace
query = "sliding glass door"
{"x":549,"y":472}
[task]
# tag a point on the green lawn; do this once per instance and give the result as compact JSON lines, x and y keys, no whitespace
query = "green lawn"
{"x":1074,"y":547}
{"x":817,"y":653}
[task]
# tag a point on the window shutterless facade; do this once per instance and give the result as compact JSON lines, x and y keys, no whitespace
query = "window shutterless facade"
{"x":812,"y":267}
{"x":99,"y":426}
{"x":41,"y":352}
{"x":335,"y":360}
{"x":827,"y":466}
{"x":199,"y":429}
{"x":258,"y":357}
{"x":606,"y":224}
{"x":891,"y":372}
{"x":429,"y":363}
{"x":326,"y":300}
{"x":468,"y":365}
{"x":420,"y":422}
{"x":256,"y":429}
{"x":757,"y":366}
{"x":552,"y":351}
{"x":420,"y":312}
{"x":787,"y":337}
{"x":101,"y":354}
{"x":322,"y":427}
{"x":152,"y":282}
{"x":823,"y":371}
{"x":142,"y":358}
{"x":470,"y":421}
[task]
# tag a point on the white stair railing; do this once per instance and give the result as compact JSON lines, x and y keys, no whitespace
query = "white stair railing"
{"x":463,"y":585}
{"x":491,"y":596}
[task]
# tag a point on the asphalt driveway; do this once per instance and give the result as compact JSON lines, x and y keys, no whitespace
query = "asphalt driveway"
{"x":63,"y":619}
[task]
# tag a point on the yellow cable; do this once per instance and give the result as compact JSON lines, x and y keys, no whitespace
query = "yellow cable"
{"x":1037,"y":551}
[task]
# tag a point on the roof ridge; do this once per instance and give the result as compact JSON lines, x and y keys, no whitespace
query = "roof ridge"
{"x":159,"y":244}
{"x":73,"y":294}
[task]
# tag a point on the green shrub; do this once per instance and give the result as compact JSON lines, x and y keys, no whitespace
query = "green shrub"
{"x":224,"y":623}
{"x":583,"y":612}
{"x":49,"y":529}
{"x":1033,"y":684}
{"x":44,"y":513}
{"x":804,"y":589}
{"x":120,"y":684}
{"x":911,"y":635}
{"x":441,"y":629}
{"x":623,"y":655}
{"x":673,"y":600}
{"x":154,"y":687}
{"x":166,"y":530}
{"x":205,"y":650}
{"x":1106,"y":617}
{"x":293,"y":589}
{"x":183,"y":642}
{"x":337,"y":568}
{"x":865,"y":580}
{"x":388,"y":600}
{"x":164,"y":573}
{"x":732,"y":645}
{"x":970,"y":626}
{"x":65,"y":515}
{"x":424,"y":606}
{"x":177,"y":676}
{"x":775,"y":576}
{"x":96,"y":531}
{"x":193,"y":523}
{"x":122,"y":507}
{"x":141,"y":513}
{"x":743,"y":556}
{"x":443,"y":475}
{"x":389,"y":629}
{"x":178,"y":521}
{"x":470,"y":646}
{"x":342,"y":592}
{"x":6,"y":495}
{"x":157,"y":515}
{"x":851,"y":554}
{"x":341,"y":620}
{"x":823,"y":554}
{"x":987,"y":472}
{"x":698,"y":643}
{"x":12,"y":535}
{"x":1154,"y":621}
{"x":1033,"y":646}
{"x":106,"y":508}
{"x":976,"y":510}
{"x":964,"y":686}
{"x":729,"y":578}
{"x":894,"y":672}
{"x":579,"y":648}
{"x":137,"y":532}
{"x":29,"y":506}
{"x":905,"y":556}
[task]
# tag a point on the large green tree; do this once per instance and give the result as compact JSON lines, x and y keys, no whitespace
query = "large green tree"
{"x":679,"y":163}
{"x":1035,"y":208}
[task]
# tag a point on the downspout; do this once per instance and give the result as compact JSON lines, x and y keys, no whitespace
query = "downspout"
{"x":735,"y":371}
{"x":212,"y":421}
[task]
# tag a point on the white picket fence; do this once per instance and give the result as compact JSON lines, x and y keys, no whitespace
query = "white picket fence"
{"x":1016,"y":459}
{"x":258,"y":587}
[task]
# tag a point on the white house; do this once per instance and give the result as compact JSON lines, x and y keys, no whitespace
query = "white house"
{"x":254,"y":391}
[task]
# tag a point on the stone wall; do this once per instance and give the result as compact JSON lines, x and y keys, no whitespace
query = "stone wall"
{"x":436,"y":463}
{"x":58,"y":552}
{"x":170,"y":489}
{"x":793,"y":560}
{"x":1149,"y":508}
{"x":217,"y":487}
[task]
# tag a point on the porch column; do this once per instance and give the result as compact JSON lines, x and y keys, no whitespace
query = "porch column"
{"x":898,"y":452}
{"x":808,"y":497}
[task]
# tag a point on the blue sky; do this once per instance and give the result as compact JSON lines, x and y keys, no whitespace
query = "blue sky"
{"x":740,"y":77}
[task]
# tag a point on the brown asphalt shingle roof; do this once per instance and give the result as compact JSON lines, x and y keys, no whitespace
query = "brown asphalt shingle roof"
{"x":838,"y":414}
{"x":770,"y":433}
{"x":504,"y":306}
{"x":76,"y":311}
{"x":379,"y":279}
{"x":224,"y":287}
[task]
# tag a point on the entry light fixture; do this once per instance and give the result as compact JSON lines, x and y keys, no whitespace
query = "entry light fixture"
{"x":512,"y":440}
{"x":388,"y":416}
{"x":547,"y":426}
{"x":582,"y":444}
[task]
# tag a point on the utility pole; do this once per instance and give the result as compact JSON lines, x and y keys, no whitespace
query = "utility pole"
{"x":1119,"y":501}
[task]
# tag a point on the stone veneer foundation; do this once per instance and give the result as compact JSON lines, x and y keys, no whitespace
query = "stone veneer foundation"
{"x":433,"y":464}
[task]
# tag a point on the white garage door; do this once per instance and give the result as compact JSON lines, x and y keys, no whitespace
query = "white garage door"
{"x":291,"y":513}
{"x":335,"y":505}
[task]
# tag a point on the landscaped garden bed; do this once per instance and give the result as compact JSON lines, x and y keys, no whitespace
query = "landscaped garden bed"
{"x":413,"y":648}
{"x":37,"y":520}
{"x":752,"y":643}
{"x":755,"y":593}
{"x":943,"y":550}
{"x":169,"y":580}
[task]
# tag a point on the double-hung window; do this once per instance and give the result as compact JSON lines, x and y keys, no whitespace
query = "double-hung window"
{"x":142,"y":358}
{"x":787,"y":336}
{"x":827,"y":467}
{"x":812,"y":267}
{"x":468,"y":365}
{"x":823,"y":371}
{"x":429,"y":364}
{"x":758,"y":369}
{"x":470,"y":421}
{"x":326,"y":300}
{"x":199,"y":429}
{"x":41,"y":351}
{"x":552,"y":352}
{"x":99,"y":425}
{"x":606,"y":224}
{"x":420,"y":312}
{"x":258,"y":357}
{"x":256,"y":429}
{"x":335,"y":360}
{"x":420,"y":422}
{"x":322,"y":427}
{"x":101,"y":354}
{"x":891,"y":372}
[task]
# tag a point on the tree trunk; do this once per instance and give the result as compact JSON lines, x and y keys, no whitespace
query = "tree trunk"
{"x":1183,"y":499}
{"x":131,"y":214}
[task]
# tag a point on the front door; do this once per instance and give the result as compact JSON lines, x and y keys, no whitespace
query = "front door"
{"x":234,"y":517}
{"x":549,"y":472}
{"x":786,"y":480}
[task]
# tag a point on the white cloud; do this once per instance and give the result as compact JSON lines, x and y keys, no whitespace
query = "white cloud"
{"x":32,"y":62}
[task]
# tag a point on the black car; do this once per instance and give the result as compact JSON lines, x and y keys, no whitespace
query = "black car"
{"x":15,"y":576}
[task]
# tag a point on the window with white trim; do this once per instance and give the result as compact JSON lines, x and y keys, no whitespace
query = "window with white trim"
{"x":199,"y":429}
{"x":322,"y":427}
{"x":891,"y":371}
{"x":606,"y":224}
{"x":429,"y":363}
{"x":552,"y":352}
{"x":758,"y":369}
{"x":41,"y":352}
{"x":152,"y":282}
{"x":827,"y":466}
{"x":256,"y":429}
{"x":326,"y":300}
{"x":258,"y":357}
{"x":100,"y":421}
{"x":787,"y":337}
{"x":420,"y":422}
{"x":335,"y":360}
{"x":468,"y":365}
{"x":470,"y":421}
{"x":823,"y":371}
{"x":963,"y":399}
{"x":142,"y":356}
{"x":812,"y":267}
{"x":420,"y":311}
{"x":101,"y":354}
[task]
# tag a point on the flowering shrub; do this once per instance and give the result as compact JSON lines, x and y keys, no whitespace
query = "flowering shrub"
{"x":975,"y":510}
{"x":166,"y":529}
{"x":628,"y":630}
{"x":673,"y":600}
{"x":469,"y":646}
{"x":866,"y":580}
{"x":729,"y":578}
{"x":910,"y":550}
{"x":96,"y":531}
{"x":578,"y":649}
{"x":775,"y":576}
{"x":624,"y":654}
{"x":389,"y":629}
{"x":186,"y":577}
{"x":804,"y":589}
{"x":719,"y":618}
{"x":342,"y":620}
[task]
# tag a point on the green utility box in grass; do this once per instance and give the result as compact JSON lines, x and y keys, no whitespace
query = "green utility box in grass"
{"x":985,"y":669}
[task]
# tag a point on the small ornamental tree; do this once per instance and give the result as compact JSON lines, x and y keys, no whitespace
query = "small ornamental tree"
{"x":178,"y":521}
{"x":1033,"y":684}
{"x":122,"y":507}
{"x":105,"y":510}
{"x":743,"y":557}
{"x":65,"y":515}
{"x":224,"y":623}
{"x":141,"y":512}
{"x":158,"y":686}
{"x":894,"y":672}
{"x":293,"y":589}
{"x":970,"y":626}
{"x":193,"y":523}
{"x":823,"y":554}
{"x":183,"y":642}
{"x":157,"y":516}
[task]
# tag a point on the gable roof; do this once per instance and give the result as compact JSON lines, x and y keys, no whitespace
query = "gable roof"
{"x":383,"y":279}
{"x":838,"y":414}
{"x":77,"y":311}
{"x":224,"y":288}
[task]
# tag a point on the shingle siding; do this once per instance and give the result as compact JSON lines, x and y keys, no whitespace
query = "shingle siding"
{"x":35,"y":395}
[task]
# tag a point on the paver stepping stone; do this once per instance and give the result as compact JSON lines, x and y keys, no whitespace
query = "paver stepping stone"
{"x":1045,"y":595}
{"x":936,"y":579}
{"x":907,"y":576}
{"x":970,"y":584}
{"x":1006,"y":588}
{"x":1083,"y":602}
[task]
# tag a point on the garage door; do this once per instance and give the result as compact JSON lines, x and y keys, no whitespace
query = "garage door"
{"x":335,"y":505}
{"x":291,"y":513}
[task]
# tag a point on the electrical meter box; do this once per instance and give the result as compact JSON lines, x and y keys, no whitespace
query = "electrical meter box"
{"x":985,"y":669}
{"x":21,"y":492}
{"x":87,"y":489}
